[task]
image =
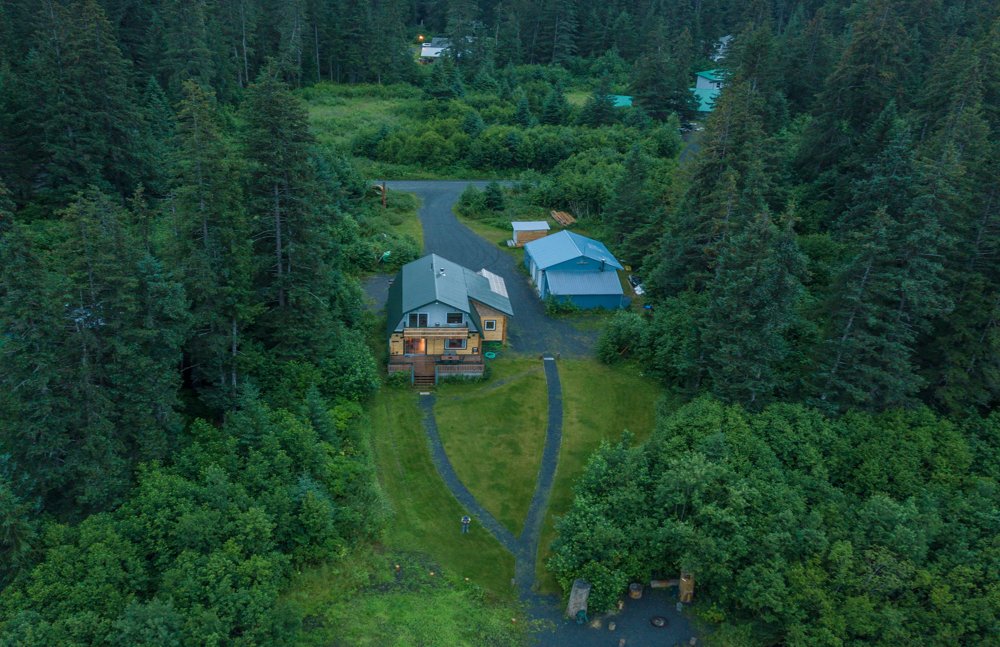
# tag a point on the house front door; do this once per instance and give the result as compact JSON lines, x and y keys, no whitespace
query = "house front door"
{"x":415,"y":346}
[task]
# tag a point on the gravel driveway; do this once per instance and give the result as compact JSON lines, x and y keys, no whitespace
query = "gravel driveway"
{"x":531,"y":330}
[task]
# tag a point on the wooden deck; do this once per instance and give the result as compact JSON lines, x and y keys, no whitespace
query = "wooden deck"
{"x":436,"y":365}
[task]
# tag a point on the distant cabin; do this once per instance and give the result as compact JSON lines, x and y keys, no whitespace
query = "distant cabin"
{"x":621,"y":100}
{"x":439,"y":314}
{"x":433,"y":50}
{"x":526,"y":231}
{"x":707,"y":86}
{"x":576,"y":269}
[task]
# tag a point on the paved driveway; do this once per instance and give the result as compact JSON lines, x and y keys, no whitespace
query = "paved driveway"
{"x":531,"y":330}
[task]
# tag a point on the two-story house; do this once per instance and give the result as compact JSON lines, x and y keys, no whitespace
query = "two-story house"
{"x":439,"y":314}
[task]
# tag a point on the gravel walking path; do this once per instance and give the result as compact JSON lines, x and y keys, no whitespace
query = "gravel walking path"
{"x":525,"y":547}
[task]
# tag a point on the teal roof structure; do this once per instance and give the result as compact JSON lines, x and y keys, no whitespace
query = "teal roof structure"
{"x":572,"y":283}
{"x":435,"y":279}
{"x":706,"y":98}
{"x":565,"y":246}
{"x":621,"y":100}
{"x":711,"y":75}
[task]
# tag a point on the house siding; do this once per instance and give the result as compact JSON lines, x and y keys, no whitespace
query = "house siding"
{"x":436,"y":345}
{"x":522,"y":237}
{"x":437,"y":317}
{"x":486,"y":312}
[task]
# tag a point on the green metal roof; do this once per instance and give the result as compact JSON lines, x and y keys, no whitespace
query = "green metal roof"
{"x":711,"y":75}
{"x":435,"y":279}
{"x":706,"y":98}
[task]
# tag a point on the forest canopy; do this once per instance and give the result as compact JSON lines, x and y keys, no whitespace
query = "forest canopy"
{"x":185,"y":350}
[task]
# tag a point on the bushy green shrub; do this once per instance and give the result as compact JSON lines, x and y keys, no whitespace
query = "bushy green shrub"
{"x":472,"y":203}
{"x":556,"y":306}
{"x":622,"y":337}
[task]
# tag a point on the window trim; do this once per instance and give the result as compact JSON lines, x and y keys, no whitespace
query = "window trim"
{"x":489,"y":324}
{"x":461,"y":318}
{"x":449,"y":340}
{"x":418,"y":315}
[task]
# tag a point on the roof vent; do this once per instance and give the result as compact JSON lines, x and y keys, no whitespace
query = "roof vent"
{"x":441,"y":272}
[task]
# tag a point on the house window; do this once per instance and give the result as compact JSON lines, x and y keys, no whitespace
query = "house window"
{"x":418,"y":320}
{"x":455,"y":343}
{"x":454,"y":318}
{"x":489,"y":324}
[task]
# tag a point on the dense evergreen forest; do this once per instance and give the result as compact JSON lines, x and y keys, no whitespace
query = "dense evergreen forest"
{"x":184,"y":345}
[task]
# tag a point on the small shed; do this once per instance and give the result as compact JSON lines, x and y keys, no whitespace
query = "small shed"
{"x":435,"y":49}
{"x":526,"y":231}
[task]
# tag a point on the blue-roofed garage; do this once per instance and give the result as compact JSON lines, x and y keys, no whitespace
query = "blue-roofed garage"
{"x":576,"y":269}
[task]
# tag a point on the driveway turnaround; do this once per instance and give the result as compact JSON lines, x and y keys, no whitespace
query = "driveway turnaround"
{"x":531,"y":330}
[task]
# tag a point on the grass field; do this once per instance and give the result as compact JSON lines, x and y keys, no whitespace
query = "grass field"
{"x":599,"y":402}
{"x":424,"y":516}
{"x":401,"y":215}
{"x":364,"y":599}
{"x":339,"y":112}
{"x":494,"y":434}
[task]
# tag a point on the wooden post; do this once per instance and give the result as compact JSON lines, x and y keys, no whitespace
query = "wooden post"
{"x":686,"y":587}
{"x":383,"y":195}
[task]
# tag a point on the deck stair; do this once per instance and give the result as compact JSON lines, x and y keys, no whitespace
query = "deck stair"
{"x":423,"y":380}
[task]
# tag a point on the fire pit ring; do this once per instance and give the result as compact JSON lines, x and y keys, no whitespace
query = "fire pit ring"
{"x":658,"y":621}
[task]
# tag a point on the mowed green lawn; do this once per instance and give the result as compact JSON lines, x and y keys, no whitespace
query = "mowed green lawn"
{"x":425,"y":516}
{"x":494,"y":434}
{"x":599,"y":402}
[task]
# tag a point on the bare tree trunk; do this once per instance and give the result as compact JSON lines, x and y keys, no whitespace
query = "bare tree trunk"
{"x":232,"y":351}
{"x":243,"y":28}
{"x":847,"y":329}
{"x":316,"y":46}
{"x":277,"y":247}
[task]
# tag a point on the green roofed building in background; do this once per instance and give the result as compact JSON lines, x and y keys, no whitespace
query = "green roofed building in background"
{"x":706,"y":88}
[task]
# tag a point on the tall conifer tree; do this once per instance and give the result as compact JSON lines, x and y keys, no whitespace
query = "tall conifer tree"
{"x":212,"y":246}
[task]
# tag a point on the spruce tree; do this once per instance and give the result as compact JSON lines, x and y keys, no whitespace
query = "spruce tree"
{"x":555,"y":108}
{"x":863,"y":81}
{"x":522,"y":113}
{"x":599,"y":109}
{"x":886,"y":295}
{"x":752,"y":303}
{"x":212,"y":246}
{"x":727,"y":187}
{"x":660,"y":83}
{"x":95,"y":326}
{"x":86,"y":116}
{"x":632,"y":208}
{"x":296,"y":275}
